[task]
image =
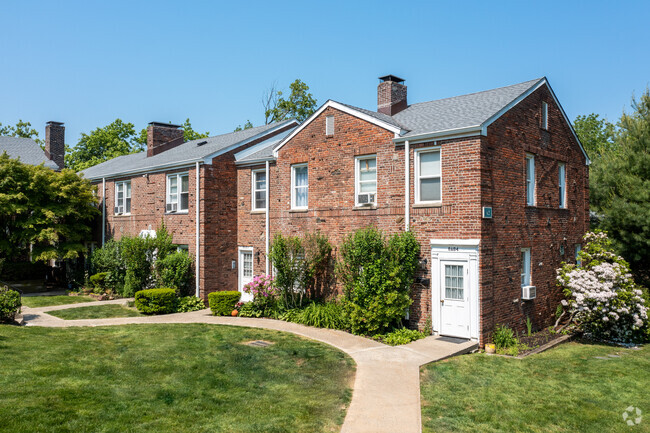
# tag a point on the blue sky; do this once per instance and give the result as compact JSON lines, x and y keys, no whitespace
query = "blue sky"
{"x":87,"y":63}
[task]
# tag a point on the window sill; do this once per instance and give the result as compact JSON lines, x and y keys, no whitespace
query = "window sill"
{"x":122,"y":214}
{"x":432,"y":204}
{"x":258,"y":211}
{"x":372,"y":207}
{"x":180,"y":212}
{"x":298,"y":210}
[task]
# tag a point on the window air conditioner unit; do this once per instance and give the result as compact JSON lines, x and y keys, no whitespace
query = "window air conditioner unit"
{"x":172,"y":207}
{"x":366,"y":199}
{"x":528,"y":292}
{"x":119,"y":210}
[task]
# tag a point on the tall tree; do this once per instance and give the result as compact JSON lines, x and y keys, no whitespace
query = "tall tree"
{"x":620,"y":190}
{"x":247,"y":125}
{"x":49,"y":210}
{"x":299,"y":105}
{"x":22,"y":129}
{"x":597,"y":135}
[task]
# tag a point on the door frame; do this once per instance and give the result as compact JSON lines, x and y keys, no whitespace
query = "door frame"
{"x":240,"y":267}
{"x":465,"y":250}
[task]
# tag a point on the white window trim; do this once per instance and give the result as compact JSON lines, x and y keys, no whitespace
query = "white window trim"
{"x":124,"y":196}
{"x":293,"y":186}
{"x":527,"y":267}
{"x":179,"y":184}
{"x":418,"y":152}
{"x":530,"y":159}
{"x":357,"y":179}
{"x":544,"y":115}
{"x":562,"y":185}
{"x":253,"y":190}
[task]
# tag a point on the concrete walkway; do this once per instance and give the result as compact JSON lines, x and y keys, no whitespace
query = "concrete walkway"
{"x":386,"y":394}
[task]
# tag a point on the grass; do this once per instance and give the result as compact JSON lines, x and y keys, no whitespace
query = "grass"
{"x":95,"y":312}
{"x":46,"y":301}
{"x":565,"y":389}
{"x":169,"y":378}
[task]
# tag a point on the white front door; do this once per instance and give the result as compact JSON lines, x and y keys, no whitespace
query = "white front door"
{"x":245,"y":272}
{"x":454,"y":299}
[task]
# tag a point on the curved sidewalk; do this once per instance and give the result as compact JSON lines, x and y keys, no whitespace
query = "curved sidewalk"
{"x":386,"y":394}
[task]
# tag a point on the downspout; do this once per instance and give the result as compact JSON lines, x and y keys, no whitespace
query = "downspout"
{"x":407,"y":184}
{"x":103,"y":210}
{"x":268,"y":208}
{"x":196,"y":229}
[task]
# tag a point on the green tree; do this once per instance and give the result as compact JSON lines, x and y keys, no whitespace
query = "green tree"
{"x":597,"y":135}
{"x":113,"y":140}
{"x":300,"y":104}
{"x":49,"y":210}
{"x":22,"y":129}
{"x":247,"y":125}
{"x":620,"y":188}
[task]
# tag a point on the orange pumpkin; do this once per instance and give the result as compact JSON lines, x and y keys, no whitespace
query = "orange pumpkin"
{"x":234,"y":313}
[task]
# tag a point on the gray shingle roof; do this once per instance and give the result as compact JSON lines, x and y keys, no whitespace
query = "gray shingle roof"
{"x":379,"y":116}
{"x":27,"y":150}
{"x":261,"y":151}
{"x":188,"y":152}
{"x":460,"y":111}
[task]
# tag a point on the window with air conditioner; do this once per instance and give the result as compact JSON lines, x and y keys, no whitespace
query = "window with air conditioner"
{"x":178,"y":186}
{"x":530,"y":179}
{"x":299,"y":186}
{"x":123,"y":198}
{"x":428,"y":176}
{"x":562,"y":184}
{"x":259,"y":190}
{"x":528,"y":291}
{"x":366,"y":180}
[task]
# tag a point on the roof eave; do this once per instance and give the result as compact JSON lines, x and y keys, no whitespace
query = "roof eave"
{"x":255,"y":161}
{"x":436,"y":135}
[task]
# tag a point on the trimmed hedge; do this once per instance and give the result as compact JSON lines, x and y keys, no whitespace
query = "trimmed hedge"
{"x":222,"y":303}
{"x":99,"y":280}
{"x":156,"y":301}
{"x":9,"y":304}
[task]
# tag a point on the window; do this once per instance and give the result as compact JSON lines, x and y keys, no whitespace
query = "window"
{"x":427,"y":173}
{"x":366,"y":177}
{"x":259,"y":189}
{"x":299,"y":186}
{"x":329,"y":125}
{"x":525,"y":267}
{"x":178,"y":186}
{"x":454,"y":288}
{"x":530,"y":180}
{"x":562,"y":183}
{"x":544,"y":115}
{"x":577,"y":250}
{"x":123,"y":197}
{"x":182,"y":247}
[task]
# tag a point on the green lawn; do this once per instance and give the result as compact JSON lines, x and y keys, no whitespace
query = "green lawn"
{"x":169,"y":378}
{"x":45,"y":301}
{"x":565,"y":389}
{"x":95,"y":312}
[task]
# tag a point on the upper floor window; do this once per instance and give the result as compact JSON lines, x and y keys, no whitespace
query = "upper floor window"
{"x":178,"y":186}
{"x":544,"y":115}
{"x":525,"y":267}
{"x":562,"y":184}
{"x":299,"y":186}
{"x":259,"y":189}
{"x":427,"y":176}
{"x":530,"y":180}
{"x":123,"y":197}
{"x":366,"y":180}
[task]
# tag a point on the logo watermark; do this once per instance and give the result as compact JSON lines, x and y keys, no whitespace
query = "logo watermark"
{"x":632,"y":416}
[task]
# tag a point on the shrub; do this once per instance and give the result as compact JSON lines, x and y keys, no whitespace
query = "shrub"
{"x":249,"y":310}
{"x":265,"y":294}
{"x":222,"y":303}
{"x":377,"y":274}
{"x":9,"y":304}
{"x":602,"y":296}
{"x":402,"y":336}
{"x":187,"y":304}
{"x":156,"y":301}
{"x":99,"y":280}
{"x":504,"y":337}
{"x":109,"y":259}
{"x":175,"y":271}
{"x":328,"y":315}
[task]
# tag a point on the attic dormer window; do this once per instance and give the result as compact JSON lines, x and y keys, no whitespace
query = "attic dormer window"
{"x":329,"y":125}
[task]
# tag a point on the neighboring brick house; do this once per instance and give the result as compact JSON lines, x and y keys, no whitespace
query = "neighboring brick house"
{"x":139,"y":191}
{"x":497,"y":183}
{"x":29,"y":152}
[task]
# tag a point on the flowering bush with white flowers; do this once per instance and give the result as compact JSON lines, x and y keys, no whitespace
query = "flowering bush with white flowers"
{"x":602,"y":297}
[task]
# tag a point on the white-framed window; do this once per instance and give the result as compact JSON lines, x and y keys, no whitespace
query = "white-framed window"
{"x":428,"y":176}
{"x":329,"y":125}
{"x":530,"y":179}
{"x":259,"y":189}
{"x":525,"y":267}
{"x":544,"y":115}
{"x":576,"y":250}
{"x":365,"y":174}
{"x":178,"y":187}
{"x":562,"y":184}
{"x":183,"y":247}
{"x":123,"y":197}
{"x":299,"y":186}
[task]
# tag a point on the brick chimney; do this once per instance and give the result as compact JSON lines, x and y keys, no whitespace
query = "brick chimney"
{"x":391,"y":95}
{"x":162,"y":137}
{"x":55,"y":142}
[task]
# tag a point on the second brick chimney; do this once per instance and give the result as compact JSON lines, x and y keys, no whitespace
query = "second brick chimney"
{"x":162,"y":137}
{"x":391,"y":95}
{"x":55,"y":142}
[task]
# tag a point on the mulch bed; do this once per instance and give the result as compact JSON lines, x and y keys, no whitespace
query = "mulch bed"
{"x":537,"y":340}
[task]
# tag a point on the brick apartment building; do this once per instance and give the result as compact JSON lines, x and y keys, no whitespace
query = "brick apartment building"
{"x":497,"y":188}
